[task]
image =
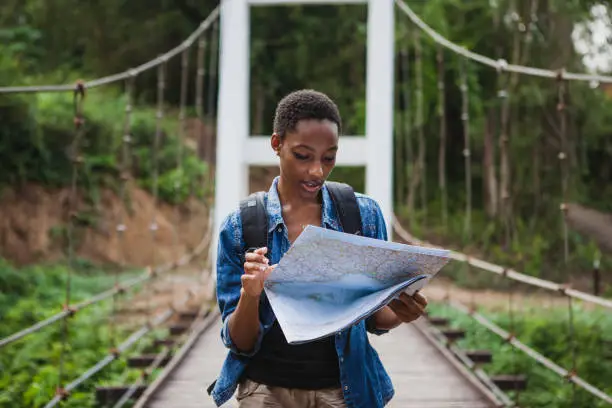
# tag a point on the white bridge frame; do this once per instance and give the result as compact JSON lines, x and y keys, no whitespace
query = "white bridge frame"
{"x":237,"y":150}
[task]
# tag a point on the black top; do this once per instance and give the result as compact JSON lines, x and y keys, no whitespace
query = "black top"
{"x":309,"y":366}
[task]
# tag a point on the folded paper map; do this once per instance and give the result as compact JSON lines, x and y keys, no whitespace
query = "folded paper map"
{"x":330,"y":280}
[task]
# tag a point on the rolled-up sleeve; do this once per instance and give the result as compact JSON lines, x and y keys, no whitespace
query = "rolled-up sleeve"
{"x":229,"y":271}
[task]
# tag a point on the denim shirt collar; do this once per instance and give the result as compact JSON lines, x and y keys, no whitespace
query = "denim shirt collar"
{"x":275,"y":213}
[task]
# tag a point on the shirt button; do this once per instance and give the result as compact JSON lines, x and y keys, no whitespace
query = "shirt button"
{"x":341,"y":359}
{"x":346,"y":388}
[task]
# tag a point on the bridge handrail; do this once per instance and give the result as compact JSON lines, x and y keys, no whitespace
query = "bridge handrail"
{"x":134,"y":338}
{"x":510,"y":338}
{"x":127,"y":73}
{"x":500,"y":64}
{"x":508,"y":272}
{"x":569,"y":375}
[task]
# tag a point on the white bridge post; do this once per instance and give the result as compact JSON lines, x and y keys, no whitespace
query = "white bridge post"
{"x":237,"y":150}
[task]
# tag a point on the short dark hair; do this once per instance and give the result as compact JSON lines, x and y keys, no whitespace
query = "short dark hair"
{"x":304,"y":104}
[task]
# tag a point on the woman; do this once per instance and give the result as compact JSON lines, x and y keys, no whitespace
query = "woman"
{"x":342,"y":370}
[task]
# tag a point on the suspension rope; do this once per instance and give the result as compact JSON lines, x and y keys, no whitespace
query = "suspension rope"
{"x":422,"y":176}
{"x":465,"y":119}
{"x":562,"y":372}
{"x":442,"y":147}
{"x":181,"y":136}
{"x":507,"y":272}
{"x":212,"y":18}
{"x":512,"y":334}
{"x":154,"y":226}
{"x":504,"y":139}
{"x":563,"y":161}
{"x":398,"y":148}
{"x":496,"y":64}
{"x":410,"y":169}
{"x":510,"y":337}
{"x":124,"y":176}
{"x":212,"y":78}
{"x":77,"y":160}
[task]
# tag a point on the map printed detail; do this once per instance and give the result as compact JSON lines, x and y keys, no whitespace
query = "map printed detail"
{"x":329,"y":280}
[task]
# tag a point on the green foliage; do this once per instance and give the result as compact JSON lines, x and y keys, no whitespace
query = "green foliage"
{"x":37,"y":133}
{"x":546,"y":331}
{"x":29,"y":367}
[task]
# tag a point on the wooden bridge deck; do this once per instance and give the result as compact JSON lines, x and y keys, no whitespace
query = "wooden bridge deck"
{"x":422,"y":376}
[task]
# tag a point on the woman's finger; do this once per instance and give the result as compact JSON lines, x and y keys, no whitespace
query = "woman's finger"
{"x":419,"y":298}
{"x":253,"y":268}
{"x":255,"y":257}
{"x":261,"y":251}
{"x":406,"y":310}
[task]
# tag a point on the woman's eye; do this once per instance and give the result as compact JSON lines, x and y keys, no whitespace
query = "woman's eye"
{"x":300,"y":156}
{"x":329,"y":159}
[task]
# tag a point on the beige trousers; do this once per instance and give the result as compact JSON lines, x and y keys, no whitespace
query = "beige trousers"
{"x":254,"y":395}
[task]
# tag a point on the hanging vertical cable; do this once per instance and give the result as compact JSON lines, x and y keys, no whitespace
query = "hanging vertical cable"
{"x":419,"y":176}
{"x":178,"y":186}
{"x":199,"y":103}
{"x":561,"y":109}
{"x":512,"y":331}
{"x":77,"y":161}
{"x":124,"y":175}
{"x":154,"y":226}
{"x":465,"y":119}
{"x":406,"y":118}
{"x":398,"y":143}
{"x":504,"y":146}
{"x":212,"y":77}
{"x":442,"y":147}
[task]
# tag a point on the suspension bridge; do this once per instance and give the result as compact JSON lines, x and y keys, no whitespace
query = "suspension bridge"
{"x":425,"y":360}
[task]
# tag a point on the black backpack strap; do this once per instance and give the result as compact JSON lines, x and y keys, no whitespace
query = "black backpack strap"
{"x":254,"y":221}
{"x":345,"y":201}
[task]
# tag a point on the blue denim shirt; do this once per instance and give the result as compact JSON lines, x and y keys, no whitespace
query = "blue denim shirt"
{"x":365,"y":382}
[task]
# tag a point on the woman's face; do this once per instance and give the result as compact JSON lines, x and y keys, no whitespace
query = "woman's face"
{"x":307,"y":155}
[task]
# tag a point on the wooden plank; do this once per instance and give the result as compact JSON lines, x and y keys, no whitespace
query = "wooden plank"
{"x":422,"y":376}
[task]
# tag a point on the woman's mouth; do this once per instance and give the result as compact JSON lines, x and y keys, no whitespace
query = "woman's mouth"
{"x":312,"y":186}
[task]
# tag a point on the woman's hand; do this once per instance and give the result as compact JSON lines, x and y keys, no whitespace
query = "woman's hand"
{"x":408,"y":308}
{"x":256,"y":270}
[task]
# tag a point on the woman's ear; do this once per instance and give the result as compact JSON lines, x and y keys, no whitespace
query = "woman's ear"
{"x":275,"y":142}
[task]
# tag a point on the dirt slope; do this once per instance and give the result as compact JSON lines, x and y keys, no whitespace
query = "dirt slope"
{"x":33,"y":219}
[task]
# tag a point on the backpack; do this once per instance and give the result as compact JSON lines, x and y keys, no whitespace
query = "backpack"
{"x":255,"y":219}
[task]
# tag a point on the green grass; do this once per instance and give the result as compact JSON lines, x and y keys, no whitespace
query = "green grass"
{"x":29,"y":367}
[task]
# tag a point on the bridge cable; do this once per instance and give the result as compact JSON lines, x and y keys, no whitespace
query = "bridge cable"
{"x":563,"y":158}
{"x":504,"y":140}
{"x":442,"y":135}
{"x":212,"y":81}
{"x":570,"y":375}
{"x":398,"y":131}
{"x":121,"y":227}
{"x":495,"y":64}
{"x":77,"y":160}
{"x":420,"y":167}
{"x":465,"y":119}
{"x":408,"y":169}
{"x":212,"y":17}
{"x":166,"y":350}
{"x":199,"y":100}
